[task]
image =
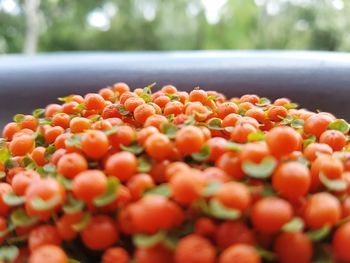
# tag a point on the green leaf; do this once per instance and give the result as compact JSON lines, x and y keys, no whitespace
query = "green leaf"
{"x":75,"y":140}
{"x":8,"y":253}
{"x":122,"y":110}
{"x":19,"y":217}
{"x":39,"y":139}
{"x":72,"y":205}
{"x":215,"y":124}
{"x":134,"y":148}
{"x":211,"y":189}
{"x":49,"y":151}
{"x":263,"y":102}
{"x":233,"y":146}
{"x":49,"y":168}
{"x":44,"y":205}
{"x":67,"y":184}
{"x":212,"y":97}
{"x":72,"y":260}
{"x":162,"y":189}
{"x":266,"y":254}
{"x":37,"y":113}
{"x":202,"y":115}
{"x":44,"y":121}
{"x":84,"y":222}
{"x":144,"y":165}
{"x":295,"y":225}
{"x":308,"y":141}
{"x":12,"y":199}
{"x":333,"y":185}
{"x":28,"y":163}
{"x":202,"y":155}
{"x":111,"y":192}
{"x":2,"y":175}
{"x":80,"y":107}
{"x":218,"y":210}
{"x":256,"y":136}
{"x":65,"y":99}
{"x":297,"y":124}
{"x":173,"y":97}
{"x":319,"y":234}
{"x":287,"y":120}
{"x":112,"y":130}
{"x":229,"y":129}
{"x":5,"y":155}
{"x":169,"y":130}
{"x":262,"y":170}
{"x":145,"y":97}
{"x":190,"y":120}
{"x":19,"y":118}
{"x":291,"y":105}
{"x":340,"y":125}
{"x":141,"y":240}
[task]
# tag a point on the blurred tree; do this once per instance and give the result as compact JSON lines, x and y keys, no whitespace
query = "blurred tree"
{"x":180,"y":24}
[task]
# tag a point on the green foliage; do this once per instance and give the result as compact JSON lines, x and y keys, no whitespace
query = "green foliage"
{"x":181,"y":24}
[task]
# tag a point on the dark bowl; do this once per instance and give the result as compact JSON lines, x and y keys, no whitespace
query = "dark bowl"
{"x":316,"y":80}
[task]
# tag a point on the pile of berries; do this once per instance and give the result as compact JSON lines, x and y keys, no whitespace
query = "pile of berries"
{"x":170,"y":176}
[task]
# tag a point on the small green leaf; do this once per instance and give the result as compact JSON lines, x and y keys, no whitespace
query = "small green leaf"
{"x":12,"y":199}
{"x":229,"y":129}
{"x":37,"y":113}
{"x":5,"y":155}
{"x":215,"y":124}
{"x":173,"y":97}
{"x":319,"y":234}
{"x":28,"y":163}
{"x":2,"y":175}
{"x":122,"y":110}
{"x":162,"y":189}
{"x":80,"y":107}
{"x":44,"y":205}
{"x":19,"y":217}
{"x":39,"y":139}
{"x":291,"y":105}
{"x":49,"y":151}
{"x":287,"y":120}
{"x":44,"y":121}
{"x":84,"y":222}
{"x":233,"y":146}
{"x":141,"y":240}
{"x":8,"y":253}
{"x":203,"y":154}
{"x":19,"y":118}
{"x":212,"y":97}
{"x":202,"y":115}
{"x":145,"y":97}
{"x":112,"y":130}
{"x":262,"y":170}
{"x":297,"y":124}
{"x":211,"y":189}
{"x":169,"y":130}
{"x":73,"y":205}
{"x":295,"y":225}
{"x":72,"y":260}
{"x":49,"y":168}
{"x":340,"y":125}
{"x":111,"y":192}
{"x":218,"y":210}
{"x":144,"y":165}
{"x":74,"y":140}
{"x":65,"y":99}
{"x":67,"y":184}
{"x":256,"y":136}
{"x":304,"y":161}
{"x":308,"y":141}
{"x":333,"y":185}
{"x":170,"y":242}
{"x":263,"y":102}
{"x":134,"y":148}
{"x":190,"y":120}
{"x":266,"y":254}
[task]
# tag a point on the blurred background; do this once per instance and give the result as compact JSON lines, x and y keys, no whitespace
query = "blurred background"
{"x":32,"y":26}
